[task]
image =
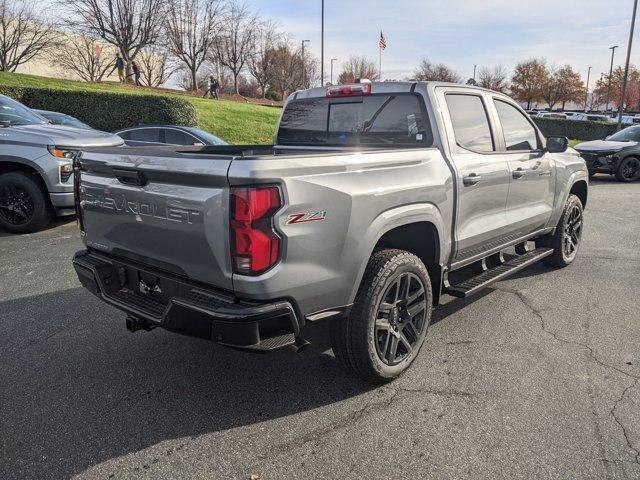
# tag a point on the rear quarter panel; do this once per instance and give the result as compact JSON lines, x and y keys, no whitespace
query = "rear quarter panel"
{"x":364,"y":195}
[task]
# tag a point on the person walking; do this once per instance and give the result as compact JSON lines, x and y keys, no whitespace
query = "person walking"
{"x":120,"y":68}
{"x":214,"y":85}
{"x":136,"y":73}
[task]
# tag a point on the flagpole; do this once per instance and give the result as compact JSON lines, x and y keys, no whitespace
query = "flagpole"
{"x":380,"y":69}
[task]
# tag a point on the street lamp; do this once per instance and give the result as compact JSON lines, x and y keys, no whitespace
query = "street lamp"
{"x":331,"y":78}
{"x":474,"y":72}
{"x":303,"y":76}
{"x":613,"y":51}
{"x":586,"y":93}
{"x":626,"y":66}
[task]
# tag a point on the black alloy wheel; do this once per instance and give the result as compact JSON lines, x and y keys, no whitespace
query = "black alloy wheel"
{"x":401,"y":319}
{"x":629,"y":170}
{"x":572,"y":231}
{"x":16,"y":204}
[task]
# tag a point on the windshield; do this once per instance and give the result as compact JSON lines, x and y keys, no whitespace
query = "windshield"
{"x":66,"y":120}
{"x":209,"y":138}
{"x":373,"y":120}
{"x":629,"y":134}
{"x":14,"y":113}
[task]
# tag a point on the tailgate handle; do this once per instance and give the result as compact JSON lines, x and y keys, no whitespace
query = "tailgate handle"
{"x":130,"y":177}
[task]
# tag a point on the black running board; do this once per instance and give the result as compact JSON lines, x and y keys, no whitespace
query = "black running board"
{"x":486,"y":278}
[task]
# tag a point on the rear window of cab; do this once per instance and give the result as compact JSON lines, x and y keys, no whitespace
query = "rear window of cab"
{"x":373,"y":120}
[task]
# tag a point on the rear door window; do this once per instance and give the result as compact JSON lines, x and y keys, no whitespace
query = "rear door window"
{"x":375,"y":120}
{"x":470,"y":122}
{"x":145,"y":135}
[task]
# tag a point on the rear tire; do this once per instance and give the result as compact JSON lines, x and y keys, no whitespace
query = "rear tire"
{"x":628,"y":170}
{"x":24,"y":207}
{"x":566,"y":239}
{"x":388,"y":322}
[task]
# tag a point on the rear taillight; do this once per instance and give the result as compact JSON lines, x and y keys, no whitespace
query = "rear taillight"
{"x":255,"y":246}
{"x":350,"y":90}
{"x":76,"y":192}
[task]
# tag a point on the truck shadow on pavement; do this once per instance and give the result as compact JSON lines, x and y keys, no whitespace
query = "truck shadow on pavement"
{"x":80,"y":390}
{"x":79,"y":387}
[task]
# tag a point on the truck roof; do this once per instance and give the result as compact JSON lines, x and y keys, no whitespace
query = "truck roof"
{"x":387,"y":87}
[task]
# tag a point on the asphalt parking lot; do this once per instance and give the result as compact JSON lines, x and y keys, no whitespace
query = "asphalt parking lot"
{"x":536,"y":378}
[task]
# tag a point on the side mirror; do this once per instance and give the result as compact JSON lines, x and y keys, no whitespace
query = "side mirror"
{"x":198,"y":144}
{"x":557,"y":144}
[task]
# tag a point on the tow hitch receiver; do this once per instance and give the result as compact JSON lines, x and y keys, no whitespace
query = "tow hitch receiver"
{"x":135,"y":324}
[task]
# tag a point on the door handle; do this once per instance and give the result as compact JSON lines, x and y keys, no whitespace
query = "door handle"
{"x":471,"y":179}
{"x":545,"y":173}
{"x":518,"y":173}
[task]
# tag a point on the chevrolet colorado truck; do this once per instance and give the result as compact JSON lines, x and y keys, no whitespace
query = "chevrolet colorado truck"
{"x":36,"y":166}
{"x":375,"y":201}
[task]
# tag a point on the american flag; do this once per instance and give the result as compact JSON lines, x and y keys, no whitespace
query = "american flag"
{"x":382,"y":42}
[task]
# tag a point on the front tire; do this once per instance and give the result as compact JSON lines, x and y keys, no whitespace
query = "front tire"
{"x":628,"y":170}
{"x":567,"y":236}
{"x":388,"y":322}
{"x":23,"y":206}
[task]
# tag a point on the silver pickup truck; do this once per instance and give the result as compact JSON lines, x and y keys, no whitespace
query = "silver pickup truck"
{"x":376,"y":200}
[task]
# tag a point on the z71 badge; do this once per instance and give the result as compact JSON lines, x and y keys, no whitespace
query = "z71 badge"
{"x":305,"y":217}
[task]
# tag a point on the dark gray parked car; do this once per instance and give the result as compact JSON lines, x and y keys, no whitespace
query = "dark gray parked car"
{"x":145,"y":136}
{"x":618,"y":154}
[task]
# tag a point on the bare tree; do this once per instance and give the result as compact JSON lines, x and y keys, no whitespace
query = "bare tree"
{"x":190,"y":27}
{"x":260,"y":62}
{"x":428,"y":71}
{"x":154,"y":66}
{"x":83,"y":57}
{"x":23,"y":34}
{"x":130,"y":25}
{"x":311,"y":69}
{"x":358,"y":67}
{"x":496,"y":79}
{"x":234,"y":43}
{"x":287,"y":69}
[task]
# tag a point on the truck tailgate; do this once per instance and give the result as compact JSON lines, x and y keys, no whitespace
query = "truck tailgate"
{"x":165,"y":210}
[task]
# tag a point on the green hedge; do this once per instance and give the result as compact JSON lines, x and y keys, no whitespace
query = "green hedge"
{"x":107,"y":111}
{"x":575,"y":129}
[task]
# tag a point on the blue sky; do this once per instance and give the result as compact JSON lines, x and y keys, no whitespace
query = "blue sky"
{"x":462,"y":33}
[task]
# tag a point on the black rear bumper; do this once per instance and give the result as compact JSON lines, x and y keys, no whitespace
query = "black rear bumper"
{"x":157,"y":299}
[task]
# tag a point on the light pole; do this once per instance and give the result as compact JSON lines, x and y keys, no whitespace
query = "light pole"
{"x":626,"y":66}
{"x":322,"y":45}
{"x":303,"y":42}
{"x":331,"y":78}
{"x":474,"y":72}
{"x":586,"y":93}
{"x":613,"y":51}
